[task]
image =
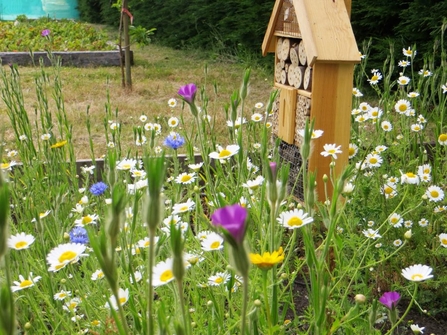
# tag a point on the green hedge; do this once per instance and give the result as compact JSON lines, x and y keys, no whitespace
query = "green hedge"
{"x":235,"y":24}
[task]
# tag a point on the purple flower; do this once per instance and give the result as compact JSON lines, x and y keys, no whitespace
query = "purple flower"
{"x":188,"y":92}
{"x":78,"y":235}
{"x":390,"y":299}
{"x":174,"y":141}
{"x":98,"y":188}
{"x":232,"y":219}
{"x":45,"y":32}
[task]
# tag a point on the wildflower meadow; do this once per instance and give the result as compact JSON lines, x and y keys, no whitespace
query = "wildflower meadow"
{"x":181,"y":234}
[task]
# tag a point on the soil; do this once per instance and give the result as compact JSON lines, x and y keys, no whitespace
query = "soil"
{"x":434,"y":325}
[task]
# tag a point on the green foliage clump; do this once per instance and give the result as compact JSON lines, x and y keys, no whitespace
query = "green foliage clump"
{"x":65,"y":35}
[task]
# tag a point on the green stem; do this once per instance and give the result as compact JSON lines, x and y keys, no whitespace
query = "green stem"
{"x":150,"y":291}
{"x":186,"y":323}
{"x":266,"y":301}
{"x":244,"y":303}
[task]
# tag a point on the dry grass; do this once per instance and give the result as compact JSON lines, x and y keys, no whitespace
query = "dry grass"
{"x":157,"y":74}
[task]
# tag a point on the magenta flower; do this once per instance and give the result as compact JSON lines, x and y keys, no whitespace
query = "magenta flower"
{"x":45,"y":32}
{"x":232,"y":219}
{"x":188,"y":92}
{"x":390,"y":299}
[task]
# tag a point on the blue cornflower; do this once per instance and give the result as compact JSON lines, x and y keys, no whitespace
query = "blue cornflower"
{"x":98,"y":188}
{"x":174,"y":140}
{"x":78,"y":235}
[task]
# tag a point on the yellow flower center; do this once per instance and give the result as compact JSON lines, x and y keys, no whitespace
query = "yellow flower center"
{"x":351,"y":151}
{"x":4,"y":166}
{"x":224,"y":153}
{"x":444,"y":241}
{"x":434,"y":194}
{"x":166,"y":275}
{"x":410,"y":175}
{"x":394,"y":220}
{"x":185,"y":178}
{"x":443,"y":137}
{"x":67,"y":256}
{"x":86,"y":219}
{"x":374,"y":78}
{"x":417,"y":276}
{"x":21,"y":244}
{"x":403,"y":107}
{"x":215,"y":245}
{"x":122,"y":300}
{"x":26,"y":283}
{"x":388,"y":190}
{"x":183,"y":208}
{"x":373,"y":160}
{"x":295,"y":222}
{"x":218,"y":280}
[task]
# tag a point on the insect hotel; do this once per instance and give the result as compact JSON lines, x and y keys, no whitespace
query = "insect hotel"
{"x":315,"y":53}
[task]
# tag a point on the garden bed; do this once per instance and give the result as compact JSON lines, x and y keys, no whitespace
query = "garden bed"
{"x":68,"y":58}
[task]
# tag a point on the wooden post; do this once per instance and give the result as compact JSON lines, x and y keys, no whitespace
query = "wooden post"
{"x":332,"y":115}
{"x":348,"y":4}
{"x":127,"y":62}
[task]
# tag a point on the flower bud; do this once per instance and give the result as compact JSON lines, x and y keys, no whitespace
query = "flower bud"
{"x":408,"y":234}
{"x":257,"y":303}
{"x":359,"y":299}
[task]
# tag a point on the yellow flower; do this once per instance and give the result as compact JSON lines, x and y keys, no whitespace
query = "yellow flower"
{"x":267,"y":260}
{"x":59,"y":144}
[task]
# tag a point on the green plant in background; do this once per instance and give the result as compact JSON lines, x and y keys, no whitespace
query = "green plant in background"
{"x":158,"y":244}
{"x":66,"y":35}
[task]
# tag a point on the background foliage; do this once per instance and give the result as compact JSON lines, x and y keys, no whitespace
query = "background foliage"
{"x":238,"y":26}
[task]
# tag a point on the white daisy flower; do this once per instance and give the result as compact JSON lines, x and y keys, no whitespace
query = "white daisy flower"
{"x":402,"y":106}
{"x":185,"y":178}
{"x":371,"y":233}
{"x":24,"y":283}
{"x":293,"y":219}
{"x":403,"y":80}
{"x":126,"y":164}
{"x":409,"y":178}
{"x":259,"y":105}
{"x":220,"y":278}
{"x":397,"y":243}
{"x":417,"y":272}
{"x":45,"y":137}
{"x":423,"y":222}
{"x":195,"y":167}
{"x":123,"y":296}
{"x":145,"y":242}
{"x":417,"y":127}
{"x":331,"y":150}
{"x":395,"y":220}
{"x":353,"y":149}
{"x":137,"y":275}
{"x":98,"y":274}
{"x":254,"y":184}
{"x":173,"y":122}
{"x":86,"y":220}
{"x":443,"y":239}
{"x":183,"y":207}
{"x":222,"y":153}
{"x":386,"y":126}
{"x":408,"y":52}
{"x":356,"y":92}
{"x":72,"y":305}
{"x":237,"y":123}
{"x":442,"y":139}
{"x":162,"y":273}
{"x":20,"y":241}
{"x":413,"y":94}
{"x":403,"y":63}
{"x":374,"y":160}
{"x":143,"y":118}
{"x":172,"y":102}
{"x":257,"y":117}
{"x":316,"y":133}
{"x":64,"y":254}
{"x":212,"y":242}
{"x":416,"y":329}
{"x":62,"y":295}
{"x":434,"y":193}
{"x":439,"y":209}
